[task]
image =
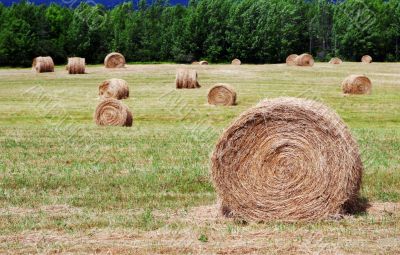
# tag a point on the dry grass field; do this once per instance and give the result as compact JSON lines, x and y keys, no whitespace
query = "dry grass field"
{"x":68,"y":186}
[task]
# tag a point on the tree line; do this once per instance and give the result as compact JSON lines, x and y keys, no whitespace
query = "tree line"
{"x":255,"y":31}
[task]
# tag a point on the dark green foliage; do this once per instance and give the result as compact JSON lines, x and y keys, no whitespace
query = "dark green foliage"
{"x":255,"y":31}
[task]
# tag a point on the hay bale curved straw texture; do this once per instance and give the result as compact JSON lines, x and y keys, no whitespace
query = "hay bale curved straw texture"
{"x":222,"y":94}
{"x":357,"y":84}
{"x":114,"y":60}
{"x":335,"y":61}
{"x":76,"y":65}
{"x":111,"y":112}
{"x":290,"y":59}
{"x":114,"y":88}
{"x":304,"y":60}
{"x":286,"y":159}
{"x":236,"y":62}
{"x":43,"y":64}
{"x":202,"y":63}
{"x":186,"y":79}
{"x":367,"y":59}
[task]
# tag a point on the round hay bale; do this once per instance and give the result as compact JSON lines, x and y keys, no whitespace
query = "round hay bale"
{"x":202,"y":63}
{"x":357,"y":84}
{"x":43,"y":64}
{"x":114,"y":88}
{"x":111,"y":112}
{"x":114,"y":60}
{"x":236,"y":62}
{"x":335,"y":61}
{"x":222,"y":94}
{"x":286,"y":159}
{"x":367,"y":59}
{"x":290,"y":59}
{"x":195,"y":63}
{"x":186,"y":79}
{"x":76,"y":66}
{"x":304,"y":60}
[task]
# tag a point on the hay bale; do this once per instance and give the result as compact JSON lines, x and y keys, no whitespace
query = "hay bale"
{"x":76,"y":66}
{"x":114,"y":88}
{"x":304,"y":60}
{"x":222,"y":94}
{"x":111,"y":112}
{"x":43,"y":64}
{"x":202,"y":63}
{"x":290,"y":59}
{"x":195,"y":63}
{"x":286,"y":159}
{"x":335,"y":61}
{"x":367,"y":59}
{"x":186,"y":79}
{"x":236,"y":62}
{"x":114,"y":60}
{"x":357,"y":84}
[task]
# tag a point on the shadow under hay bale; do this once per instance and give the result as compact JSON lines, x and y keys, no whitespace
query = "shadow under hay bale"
{"x":186,"y":79}
{"x":114,"y":60}
{"x":286,"y":159}
{"x":367,"y":59}
{"x":111,"y":112}
{"x":290,"y":59}
{"x":114,"y":88}
{"x":76,"y":65}
{"x":357,"y":84}
{"x":304,"y":60}
{"x":236,"y":62}
{"x":335,"y":61}
{"x":222,"y":94}
{"x":43,"y":64}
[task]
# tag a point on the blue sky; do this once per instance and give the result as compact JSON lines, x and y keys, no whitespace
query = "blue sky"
{"x":108,"y":3}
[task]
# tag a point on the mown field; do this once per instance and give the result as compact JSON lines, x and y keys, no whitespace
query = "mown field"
{"x":69,"y":186}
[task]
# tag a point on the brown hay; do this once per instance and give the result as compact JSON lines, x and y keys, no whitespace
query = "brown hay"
{"x":222,"y":94}
{"x":304,"y":60}
{"x":111,"y":112}
{"x":76,"y":66}
{"x":335,"y":61}
{"x":195,"y":63}
{"x":286,"y":159}
{"x":114,"y":88}
{"x":43,"y":64}
{"x":236,"y":62}
{"x":290,"y":59}
{"x":186,"y":79}
{"x":357,"y":84}
{"x":114,"y":60}
{"x":367,"y":59}
{"x":203,"y":63}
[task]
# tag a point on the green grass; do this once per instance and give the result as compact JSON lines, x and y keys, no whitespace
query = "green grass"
{"x":51,"y":152}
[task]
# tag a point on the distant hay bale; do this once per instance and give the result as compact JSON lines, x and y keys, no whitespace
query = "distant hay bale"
{"x":76,"y":65}
{"x":186,"y":79}
{"x":287,"y":159}
{"x":357,"y":84}
{"x":290,"y":59}
{"x":111,"y":112}
{"x":304,"y":60}
{"x":43,"y":64}
{"x":222,"y":94}
{"x":195,"y":63}
{"x":236,"y":62}
{"x":114,"y":88}
{"x":367,"y":59}
{"x":335,"y":61}
{"x":114,"y":60}
{"x":203,"y":63}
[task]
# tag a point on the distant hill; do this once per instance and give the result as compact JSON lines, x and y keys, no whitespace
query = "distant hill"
{"x":107,"y":3}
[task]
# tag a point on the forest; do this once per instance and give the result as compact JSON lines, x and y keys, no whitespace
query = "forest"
{"x":255,"y":31}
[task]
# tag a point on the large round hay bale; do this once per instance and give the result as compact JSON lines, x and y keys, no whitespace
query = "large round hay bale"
{"x":335,"y":61}
{"x":304,"y":60}
{"x":186,"y":79}
{"x":114,"y":60}
{"x":290,"y":59}
{"x":111,"y":112}
{"x":43,"y":64}
{"x":76,"y":65}
{"x":202,"y":63}
{"x":287,"y":159}
{"x":114,"y":88}
{"x":367,"y":59}
{"x":357,"y":84}
{"x":236,"y":62}
{"x":222,"y":94}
